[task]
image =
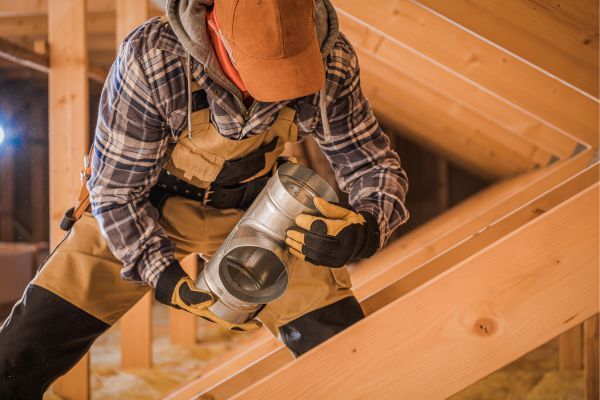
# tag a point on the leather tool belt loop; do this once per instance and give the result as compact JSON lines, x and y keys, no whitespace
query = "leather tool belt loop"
{"x":83,"y":199}
{"x":239,"y":196}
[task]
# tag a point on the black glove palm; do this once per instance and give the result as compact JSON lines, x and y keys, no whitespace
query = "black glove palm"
{"x":176,"y":289}
{"x":333,"y":240}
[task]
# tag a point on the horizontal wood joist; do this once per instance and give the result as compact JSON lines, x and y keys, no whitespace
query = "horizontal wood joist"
{"x":35,"y":27}
{"x":483,"y":313}
{"x":415,"y":250}
{"x":39,"y":62}
{"x":27,"y":23}
{"x":445,"y":86}
{"x":11,"y":8}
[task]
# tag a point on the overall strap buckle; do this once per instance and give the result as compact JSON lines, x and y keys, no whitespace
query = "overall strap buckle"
{"x":206,"y":198}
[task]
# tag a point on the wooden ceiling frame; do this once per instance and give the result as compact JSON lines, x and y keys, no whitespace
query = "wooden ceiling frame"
{"x":565,"y":33}
{"x":482,"y":106}
{"x":463,"y":105}
{"x":25,"y":22}
{"x":13,"y":8}
{"x":39,"y":62}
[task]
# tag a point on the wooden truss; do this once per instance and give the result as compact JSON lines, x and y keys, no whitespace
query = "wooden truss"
{"x":461,"y":296}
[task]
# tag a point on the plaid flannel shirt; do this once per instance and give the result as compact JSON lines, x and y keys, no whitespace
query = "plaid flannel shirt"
{"x":144,"y":104}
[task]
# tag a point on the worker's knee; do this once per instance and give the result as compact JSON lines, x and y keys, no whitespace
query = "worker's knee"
{"x":313,"y":328}
{"x":43,"y":337}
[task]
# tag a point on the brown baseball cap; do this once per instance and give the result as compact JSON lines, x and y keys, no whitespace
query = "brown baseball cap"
{"x":274,"y":46}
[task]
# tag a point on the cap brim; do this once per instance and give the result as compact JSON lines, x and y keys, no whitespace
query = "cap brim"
{"x":272,"y":80}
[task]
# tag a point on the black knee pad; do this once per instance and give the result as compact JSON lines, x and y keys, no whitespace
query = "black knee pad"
{"x":313,"y":328}
{"x":43,"y":337}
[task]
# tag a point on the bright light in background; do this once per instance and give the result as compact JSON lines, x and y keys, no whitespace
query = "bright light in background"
{"x":1,"y":135}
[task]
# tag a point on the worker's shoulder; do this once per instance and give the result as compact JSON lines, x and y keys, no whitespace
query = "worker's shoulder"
{"x":342,"y":56}
{"x":151,"y":38}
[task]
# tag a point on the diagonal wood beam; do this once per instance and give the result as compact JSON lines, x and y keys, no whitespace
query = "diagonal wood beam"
{"x":408,"y":25}
{"x":559,"y":36}
{"x":468,"y":221}
{"x":485,"y":312}
{"x":38,"y":62}
{"x":407,"y":278}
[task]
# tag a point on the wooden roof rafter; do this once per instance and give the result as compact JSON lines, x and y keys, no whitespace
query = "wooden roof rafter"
{"x":481,"y":105}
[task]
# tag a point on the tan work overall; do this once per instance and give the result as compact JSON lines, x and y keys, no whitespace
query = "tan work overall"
{"x":83,"y":271}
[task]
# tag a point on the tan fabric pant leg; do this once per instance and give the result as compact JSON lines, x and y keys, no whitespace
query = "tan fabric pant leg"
{"x":83,"y":271}
{"x":309,"y":289}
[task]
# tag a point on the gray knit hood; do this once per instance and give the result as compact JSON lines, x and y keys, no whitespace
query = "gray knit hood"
{"x":188,"y":21}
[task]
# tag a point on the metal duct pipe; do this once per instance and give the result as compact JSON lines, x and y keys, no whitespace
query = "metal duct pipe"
{"x":252,"y":266}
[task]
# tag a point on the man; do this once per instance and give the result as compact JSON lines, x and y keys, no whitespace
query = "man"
{"x":193,"y":117}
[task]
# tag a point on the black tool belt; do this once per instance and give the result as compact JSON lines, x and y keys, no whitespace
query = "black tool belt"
{"x":231,"y":196}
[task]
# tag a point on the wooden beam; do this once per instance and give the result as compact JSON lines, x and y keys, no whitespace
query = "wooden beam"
{"x":22,"y":56}
{"x":457,"y":225}
{"x":24,"y":7}
{"x":38,"y":7}
{"x":136,"y":324}
{"x":570,"y":349}
{"x":26,"y":30}
{"x":427,"y":271}
{"x":222,"y":372}
{"x":464,"y":219}
{"x":36,"y":27}
{"x":437,"y":121}
{"x":592,"y":369}
{"x":405,"y":26}
{"x":136,"y":335}
{"x":464,"y":324}
{"x":130,"y":14}
{"x":39,"y":62}
{"x":68,"y":137}
{"x":68,"y":104}
{"x":560,"y":37}
{"x":487,"y":129}
{"x":420,"y":245}
{"x":408,"y":276}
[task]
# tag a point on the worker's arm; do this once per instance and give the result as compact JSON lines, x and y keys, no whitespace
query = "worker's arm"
{"x":131,"y":139}
{"x":357,"y":148}
{"x":129,"y":148}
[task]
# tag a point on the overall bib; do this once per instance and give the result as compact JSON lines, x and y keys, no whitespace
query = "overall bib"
{"x":78,"y":293}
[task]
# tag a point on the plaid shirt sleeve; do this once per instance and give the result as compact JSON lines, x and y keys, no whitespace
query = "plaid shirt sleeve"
{"x":131,"y":139}
{"x":357,"y":148}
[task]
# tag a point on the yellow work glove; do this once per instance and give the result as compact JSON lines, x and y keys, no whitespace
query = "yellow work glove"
{"x":337,"y":237}
{"x":176,"y":289}
{"x":243,"y":327}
